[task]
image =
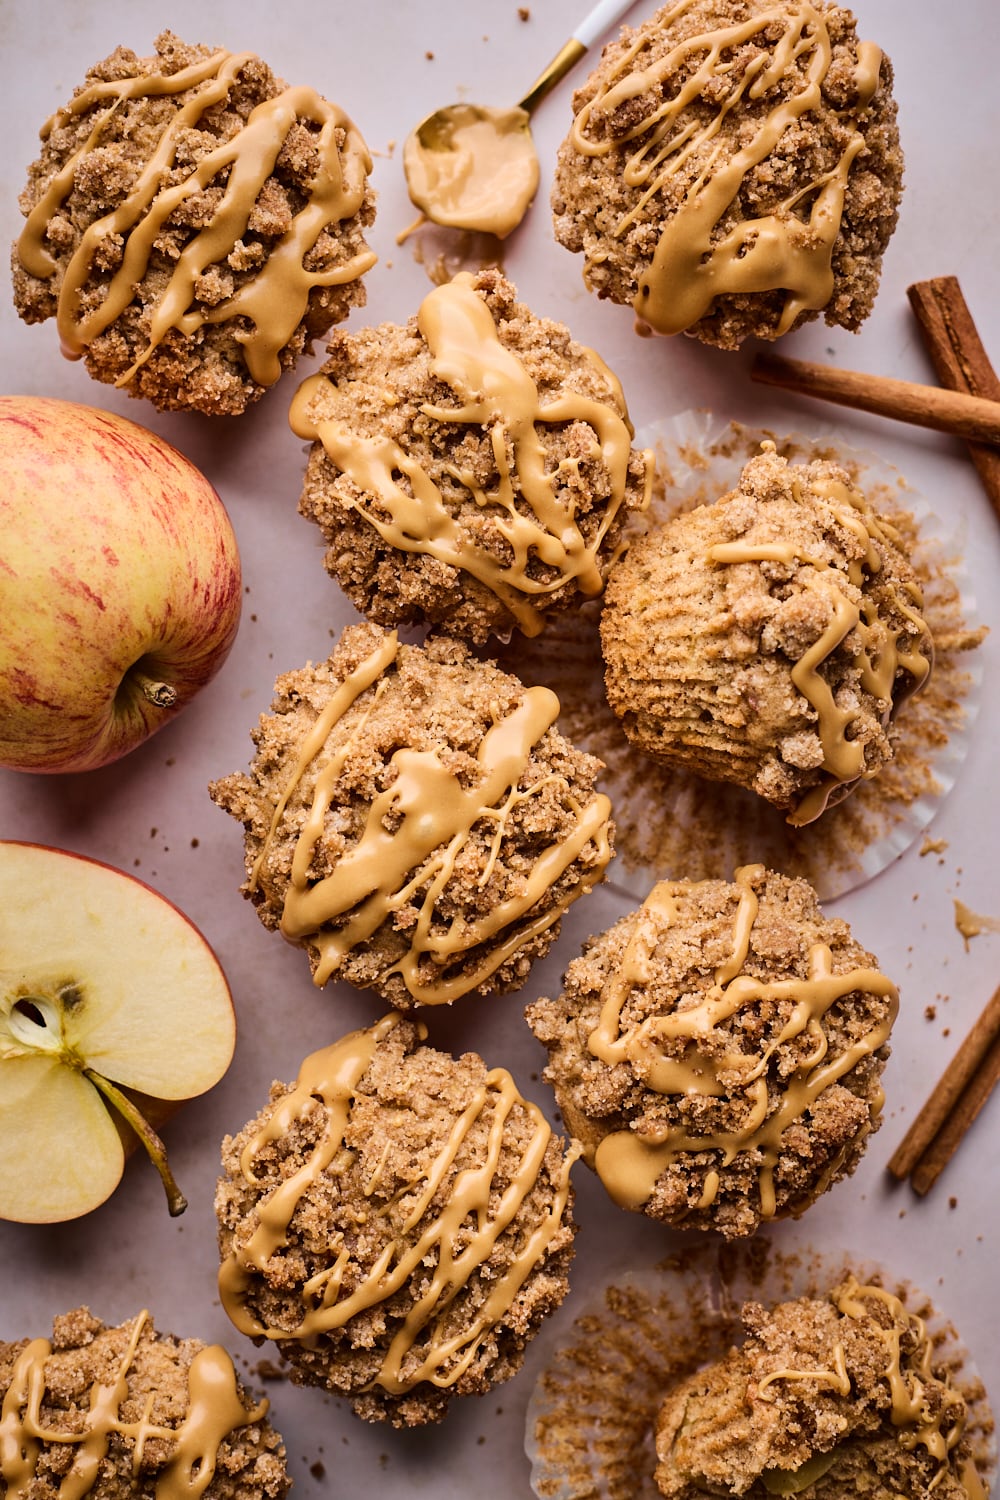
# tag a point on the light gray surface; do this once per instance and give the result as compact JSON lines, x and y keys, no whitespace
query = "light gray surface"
{"x":146,"y":813}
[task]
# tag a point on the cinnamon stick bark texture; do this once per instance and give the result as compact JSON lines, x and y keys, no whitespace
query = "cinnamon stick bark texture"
{"x":957,"y":412}
{"x":960,"y":1094}
{"x":959,"y":359}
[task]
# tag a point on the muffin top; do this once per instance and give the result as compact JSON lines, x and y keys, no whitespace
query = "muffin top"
{"x":125,"y":1413}
{"x":838,"y":1396}
{"x":415,"y":821}
{"x":192,"y":224}
{"x":769,"y":638}
{"x":472,"y":468}
{"x":399,"y":1222}
{"x":718,"y":1051}
{"x":733,"y":168}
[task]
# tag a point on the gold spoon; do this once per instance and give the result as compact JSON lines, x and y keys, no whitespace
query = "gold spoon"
{"x":472,"y":166}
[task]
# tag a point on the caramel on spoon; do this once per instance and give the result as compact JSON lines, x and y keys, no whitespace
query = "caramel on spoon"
{"x":473,"y":166}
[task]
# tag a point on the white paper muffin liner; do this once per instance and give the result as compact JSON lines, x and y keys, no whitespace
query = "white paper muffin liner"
{"x":589,"y":1431}
{"x":672,"y":824}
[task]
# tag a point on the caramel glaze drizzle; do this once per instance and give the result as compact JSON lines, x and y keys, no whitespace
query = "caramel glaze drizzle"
{"x":908,"y":1373}
{"x":629,"y":1164}
{"x":434,"y":815}
{"x":444,"y":1254}
{"x":495,"y":392}
{"x":214,"y":1411}
{"x":777,"y":252}
{"x":880,"y":657}
{"x":274,"y":301}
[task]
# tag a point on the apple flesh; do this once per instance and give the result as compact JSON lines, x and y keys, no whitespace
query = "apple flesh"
{"x":120,"y":585}
{"x":107,"y":990}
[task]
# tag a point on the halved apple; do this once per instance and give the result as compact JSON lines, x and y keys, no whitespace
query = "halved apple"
{"x":107,"y":990}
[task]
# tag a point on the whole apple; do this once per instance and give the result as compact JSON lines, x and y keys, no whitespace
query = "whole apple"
{"x":120,"y":585}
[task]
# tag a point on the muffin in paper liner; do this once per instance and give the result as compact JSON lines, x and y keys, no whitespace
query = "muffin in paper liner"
{"x":672,"y":823}
{"x":770,"y":637}
{"x":590,"y":1424}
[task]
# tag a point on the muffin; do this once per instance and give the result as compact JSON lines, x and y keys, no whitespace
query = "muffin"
{"x":398,"y":1222}
{"x":193,"y":224}
{"x":127,"y":1413}
{"x":471,"y":469}
{"x":733,"y":169}
{"x":414,"y":820}
{"x":718,"y":1052}
{"x":768,"y":639}
{"x":834,"y":1397}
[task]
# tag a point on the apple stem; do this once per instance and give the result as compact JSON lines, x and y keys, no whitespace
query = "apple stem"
{"x":160,"y":694}
{"x":155,"y":1149}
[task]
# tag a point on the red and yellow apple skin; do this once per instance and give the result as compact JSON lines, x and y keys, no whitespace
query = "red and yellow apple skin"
{"x":105,"y":987}
{"x":120,"y":584}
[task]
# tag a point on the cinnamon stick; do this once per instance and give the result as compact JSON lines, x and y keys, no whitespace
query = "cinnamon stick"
{"x":952,"y":1133}
{"x":954,"y":411}
{"x":958,"y":1097}
{"x":959,"y":359}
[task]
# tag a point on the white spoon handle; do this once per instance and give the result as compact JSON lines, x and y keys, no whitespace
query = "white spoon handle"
{"x":590,"y":28}
{"x":603,"y":15}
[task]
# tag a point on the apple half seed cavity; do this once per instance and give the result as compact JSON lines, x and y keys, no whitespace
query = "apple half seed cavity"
{"x":107,"y":990}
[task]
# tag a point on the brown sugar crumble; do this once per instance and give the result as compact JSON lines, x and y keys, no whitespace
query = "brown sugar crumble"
{"x":432,"y":1202}
{"x":673,"y":162}
{"x":471,"y":469}
{"x":414,"y":821}
{"x":188,"y":305}
{"x":126,"y":1404}
{"x":677,"y":1025}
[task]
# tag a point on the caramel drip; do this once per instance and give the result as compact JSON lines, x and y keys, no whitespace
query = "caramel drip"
{"x":880,"y":657}
{"x":473,"y":167}
{"x":629,"y":1164}
{"x":350,"y":690}
{"x":413,"y":837}
{"x":450,"y":1245}
{"x":214,"y":1411}
{"x":908,"y":1373}
{"x":495,"y":392}
{"x":274,"y":301}
{"x":836,"y":1379}
{"x":780,"y":251}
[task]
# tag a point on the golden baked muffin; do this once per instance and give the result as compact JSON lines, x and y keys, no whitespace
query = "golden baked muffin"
{"x":769,"y":638}
{"x":718,"y":1052}
{"x":472,"y":469}
{"x":399,"y":1222}
{"x":414,"y":820}
{"x":126,"y":1413}
{"x":832,"y":1398}
{"x":734,"y":169}
{"x":193,"y":224}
